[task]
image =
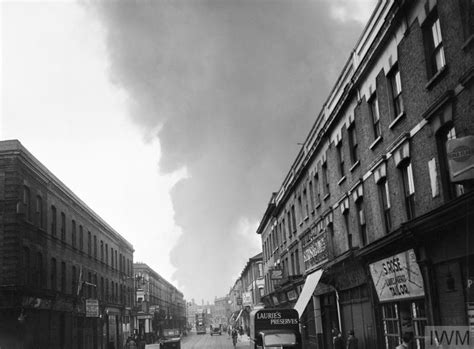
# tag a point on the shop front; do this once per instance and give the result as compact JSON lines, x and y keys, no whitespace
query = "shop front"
{"x":402,"y":306}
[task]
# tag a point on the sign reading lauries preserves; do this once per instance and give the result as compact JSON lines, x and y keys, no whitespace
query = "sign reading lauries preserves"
{"x":397,"y":277}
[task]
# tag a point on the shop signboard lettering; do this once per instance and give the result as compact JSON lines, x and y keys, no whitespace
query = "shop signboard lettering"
{"x":315,"y":252}
{"x":284,"y":318}
{"x":397,"y":277}
{"x":247,"y":298}
{"x":92,"y":307}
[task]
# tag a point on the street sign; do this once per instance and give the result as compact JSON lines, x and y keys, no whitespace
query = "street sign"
{"x":92,"y":307}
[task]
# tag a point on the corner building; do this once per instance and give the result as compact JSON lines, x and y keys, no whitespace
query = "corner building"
{"x":56,"y":256}
{"x":372,"y":227}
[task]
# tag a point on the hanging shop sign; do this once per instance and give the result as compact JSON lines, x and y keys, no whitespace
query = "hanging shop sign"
{"x":276,"y":274}
{"x":247,"y":298}
{"x":397,"y":277}
{"x":292,"y":296}
{"x":92,"y":307}
{"x":315,"y":252}
{"x":461,"y":158}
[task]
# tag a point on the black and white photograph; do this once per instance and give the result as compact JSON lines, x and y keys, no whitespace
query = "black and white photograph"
{"x":219,"y":174}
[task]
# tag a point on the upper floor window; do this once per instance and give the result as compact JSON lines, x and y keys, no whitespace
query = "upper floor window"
{"x":89,"y":243}
{"x":39,"y":211}
{"x":40,"y":271}
{"x":81,"y":238}
{"x":361,"y":222}
{"x":305,"y":204}
{"x":73,"y":280}
{"x":311,"y":194}
{"x":467,"y":14}
{"x":63,"y":277}
{"x":408,"y":188}
{"x":324,"y":168}
{"x":53,"y":276}
{"x":73,"y":233}
{"x":434,"y":45}
{"x":317,"y":194}
{"x":374,"y":112}
{"x":300,"y":209}
{"x":396,"y":89}
{"x":353,"y":143}
{"x":444,"y":134}
{"x":63,"y":226}
{"x":384,"y":194}
{"x":101,"y":250}
{"x":26,"y":266}
{"x":27,"y":202}
{"x":95,"y":246}
{"x":340,"y":153}
{"x":293,"y":218}
{"x":54,"y":220}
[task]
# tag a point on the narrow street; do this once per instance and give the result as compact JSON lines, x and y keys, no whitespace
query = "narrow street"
{"x":194,"y":341}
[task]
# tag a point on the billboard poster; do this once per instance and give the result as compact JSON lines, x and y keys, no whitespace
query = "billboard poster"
{"x":397,"y":277}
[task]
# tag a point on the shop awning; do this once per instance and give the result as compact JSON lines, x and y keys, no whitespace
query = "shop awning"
{"x":238,"y":316}
{"x":307,"y":291}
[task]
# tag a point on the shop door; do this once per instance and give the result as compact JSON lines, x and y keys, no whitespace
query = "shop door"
{"x":329,"y":317}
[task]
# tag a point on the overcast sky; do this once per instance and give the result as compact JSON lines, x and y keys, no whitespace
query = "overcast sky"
{"x":174,"y":120}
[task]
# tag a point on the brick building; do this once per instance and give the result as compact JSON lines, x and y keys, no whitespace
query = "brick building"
{"x":372,"y":226}
{"x":159,"y":304}
{"x":56,"y":255}
{"x":222,"y":310}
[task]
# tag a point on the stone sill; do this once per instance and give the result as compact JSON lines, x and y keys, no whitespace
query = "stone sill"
{"x":396,"y":120}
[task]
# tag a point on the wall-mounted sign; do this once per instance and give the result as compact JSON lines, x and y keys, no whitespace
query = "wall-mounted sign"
{"x":461,"y":158}
{"x":239,"y":300}
{"x":92,"y":307}
{"x":315,"y":252}
{"x":291,"y":294}
{"x":276,"y":274}
{"x":247,"y":298}
{"x":397,"y":277}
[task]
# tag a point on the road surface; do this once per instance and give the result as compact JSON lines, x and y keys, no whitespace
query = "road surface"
{"x":195,"y":341}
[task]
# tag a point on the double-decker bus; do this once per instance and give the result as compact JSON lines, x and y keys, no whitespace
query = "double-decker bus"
{"x":201,"y":323}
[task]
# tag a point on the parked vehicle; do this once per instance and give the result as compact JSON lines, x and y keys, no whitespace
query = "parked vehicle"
{"x":216,"y":329}
{"x":171,"y":339}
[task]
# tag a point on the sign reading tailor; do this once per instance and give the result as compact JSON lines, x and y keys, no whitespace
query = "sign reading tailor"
{"x":397,"y":277}
{"x":282,"y":318}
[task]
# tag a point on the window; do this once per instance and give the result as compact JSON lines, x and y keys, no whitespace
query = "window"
{"x":450,"y":190}
{"x":408,"y":188}
{"x":40,"y":274}
{"x":305,"y":204}
{"x":27,"y":203}
{"x":115,"y":259}
{"x":81,"y":238}
{"x":63,"y":226}
{"x":467,"y":14}
{"x":63,"y":277}
{"x":353,"y":143}
{"x":361,"y":221}
{"x":89,"y":286}
{"x":290,"y":229}
{"x":89,"y":243}
{"x":293,"y":218}
{"x":433,"y":41}
{"x":102,"y":294}
{"x":54,"y":222}
{"x":95,"y":286}
{"x":53,"y":276}
{"x":396,"y":89}
{"x":345,"y":214}
{"x":283,"y":230}
{"x":95,"y":246}
{"x":311,"y":195}
{"x":300,"y":209}
{"x":374,"y":112}
{"x":317,"y":194}
{"x":73,"y":233}
{"x":39,"y":212}
{"x":297,"y":262}
{"x":325,"y":179}
{"x":106,"y":253}
{"x":73,"y":280}
{"x":106,"y":289}
{"x":340,"y":153}
{"x":26,"y":266}
{"x":384,"y":194}
{"x":101,"y":250}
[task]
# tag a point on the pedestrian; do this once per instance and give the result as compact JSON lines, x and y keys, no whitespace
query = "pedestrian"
{"x":352,"y":342}
{"x":406,"y":339}
{"x":337,"y":339}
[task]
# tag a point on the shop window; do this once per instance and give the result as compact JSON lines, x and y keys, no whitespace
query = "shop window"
{"x":444,"y":134}
{"x":396,"y":90}
{"x":433,"y":45}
